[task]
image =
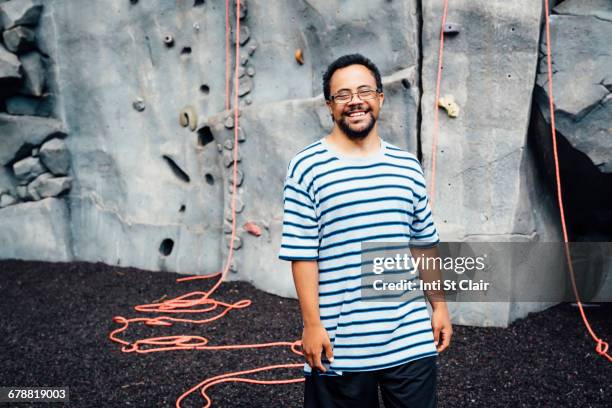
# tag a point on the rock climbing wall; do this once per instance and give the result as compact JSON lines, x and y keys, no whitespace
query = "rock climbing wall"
{"x":116,"y":145}
{"x":487,"y":186}
{"x":582,"y":81}
{"x":141,"y":85}
{"x":34,"y":158}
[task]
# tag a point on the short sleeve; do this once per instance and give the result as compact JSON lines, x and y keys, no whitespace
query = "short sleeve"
{"x":423,"y":230}
{"x":300,"y":239}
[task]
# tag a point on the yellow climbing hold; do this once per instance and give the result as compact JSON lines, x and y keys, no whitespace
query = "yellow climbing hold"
{"x":299,"y":56}
{"x":448,"y":103}
{"x":189,"y":117}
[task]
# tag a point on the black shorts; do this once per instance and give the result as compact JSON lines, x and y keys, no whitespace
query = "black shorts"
{"x":412,"y":384}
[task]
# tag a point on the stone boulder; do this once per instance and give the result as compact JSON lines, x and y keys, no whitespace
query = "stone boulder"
{"x":46,"y":185}
{"x":19,"y":39}
{"x":6,"y":200}
{"x":21,"y":132}
{"x":21,"y":12}
{"x":29,"y":105}
{"x":582,"y":79}
{"x":55,"y":156}
{"x":7,"y":180}
{"x":28,"y":169}
{"x":36,"y":230}
{"x":9,"y":67}
{"x":601,"y":9}
{"x":33,"y":74}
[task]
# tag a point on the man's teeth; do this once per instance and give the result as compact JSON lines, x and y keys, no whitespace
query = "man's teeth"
{"x":357,"y":114}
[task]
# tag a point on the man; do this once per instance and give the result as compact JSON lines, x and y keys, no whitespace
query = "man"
{"x":341,"y":191}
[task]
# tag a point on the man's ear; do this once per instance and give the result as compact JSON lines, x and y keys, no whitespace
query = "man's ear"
{"x":329,"y":107}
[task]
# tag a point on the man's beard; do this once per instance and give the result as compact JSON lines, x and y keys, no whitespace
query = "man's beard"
{"x":352,"y":133}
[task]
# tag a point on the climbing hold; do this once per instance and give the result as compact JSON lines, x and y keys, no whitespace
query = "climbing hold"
{"x":239,"y":178}
{"x":229,"y":122}
{"x":250,"y":70}
{"x":243,"y":9}
{"x":139,"y":104}
{"x":252,"y":228}
{"x":245,"y":34}
{"x":252,"y":47}
{"x":237,"y":243}
{"x":196,"y":26}
{"x":239,"y":205}
{"x":241,"y":71}
{"x":244,"y":60}
{"x":299,"y":57}
{"x":169,"y":41}
{"x":248,"y":100}
{"x":448,"y":103}
{"x":189,"y":117}
{"x":245,"y":84}
{"x":228,"y":158}
{"x":228,"y":144}
{"x":452,"y":29}
{"x":241,"y":135}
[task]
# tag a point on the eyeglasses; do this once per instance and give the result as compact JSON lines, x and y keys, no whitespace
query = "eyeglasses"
{"x":346,"y":97}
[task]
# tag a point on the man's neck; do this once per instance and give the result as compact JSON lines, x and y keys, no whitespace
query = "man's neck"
{"x":355,"y":147}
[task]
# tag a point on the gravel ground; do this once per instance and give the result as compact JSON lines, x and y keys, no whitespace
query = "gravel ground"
{"x":56,"y":317}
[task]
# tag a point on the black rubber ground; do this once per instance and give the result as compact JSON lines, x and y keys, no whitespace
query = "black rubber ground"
{"x":55,"y":319}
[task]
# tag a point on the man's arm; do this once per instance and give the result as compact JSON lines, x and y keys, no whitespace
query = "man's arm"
{"x":440,"y":319}
{"x":314,"y":337}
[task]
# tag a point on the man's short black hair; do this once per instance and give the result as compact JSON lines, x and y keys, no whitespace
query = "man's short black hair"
{"x":345,"y":61}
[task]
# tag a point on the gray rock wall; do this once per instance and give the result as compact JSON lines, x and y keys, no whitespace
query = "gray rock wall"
{"x":582,"y":86}
{"x":117,"y":109}
{"x":36,"y":230}
{"x":34,"y":159}
{"x":487,"y":187}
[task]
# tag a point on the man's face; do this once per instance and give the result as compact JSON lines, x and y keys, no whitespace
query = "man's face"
{"x":355,"y":118}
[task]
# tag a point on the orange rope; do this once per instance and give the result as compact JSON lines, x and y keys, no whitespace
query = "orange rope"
{"x":227,"y":56}
{"x":602,"y":346}
{"x":200,"y":302}
{"x":436,"y":126}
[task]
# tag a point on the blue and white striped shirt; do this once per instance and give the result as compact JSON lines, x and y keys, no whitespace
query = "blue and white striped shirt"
{"x":332,"y":204}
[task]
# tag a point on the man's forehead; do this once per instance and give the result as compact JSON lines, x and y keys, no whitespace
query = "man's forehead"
{"x":352,"y":77}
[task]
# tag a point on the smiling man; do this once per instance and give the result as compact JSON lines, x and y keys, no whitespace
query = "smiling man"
{"x":345,"y":189}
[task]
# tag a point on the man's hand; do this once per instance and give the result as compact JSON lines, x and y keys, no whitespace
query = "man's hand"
{"x":441,"y":325}
{"x":314,"y":340}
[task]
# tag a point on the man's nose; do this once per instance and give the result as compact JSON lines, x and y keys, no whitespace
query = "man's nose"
{"x":355,"y":101}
